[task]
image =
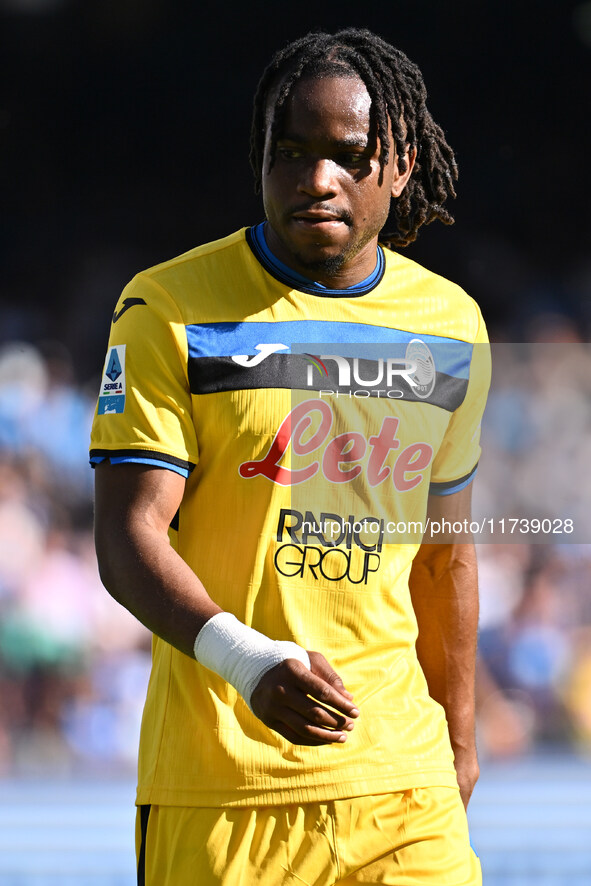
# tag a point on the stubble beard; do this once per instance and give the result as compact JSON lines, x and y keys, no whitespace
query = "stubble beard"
{"x":333,"y":264}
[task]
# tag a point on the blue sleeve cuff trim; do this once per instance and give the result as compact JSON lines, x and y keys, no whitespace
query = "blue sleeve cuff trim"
{"x":129,"y":459}
{"x":451,"y":486}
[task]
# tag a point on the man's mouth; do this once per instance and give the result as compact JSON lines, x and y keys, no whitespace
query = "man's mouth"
{"x":319,"y":219}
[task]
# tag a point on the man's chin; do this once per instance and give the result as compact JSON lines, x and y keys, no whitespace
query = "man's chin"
{"x":321,"y":264}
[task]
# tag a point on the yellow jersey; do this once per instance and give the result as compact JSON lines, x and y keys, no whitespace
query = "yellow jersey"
{"x":311,"y":426}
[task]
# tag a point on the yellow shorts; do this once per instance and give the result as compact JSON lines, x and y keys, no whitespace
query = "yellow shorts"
{"x":413,"y":837}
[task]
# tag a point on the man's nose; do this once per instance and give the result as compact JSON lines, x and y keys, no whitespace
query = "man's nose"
{"x":319,"y":178}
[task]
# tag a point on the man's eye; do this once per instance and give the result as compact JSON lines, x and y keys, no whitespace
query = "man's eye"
{"x":289,"y":153}
{"x":351,"y":159}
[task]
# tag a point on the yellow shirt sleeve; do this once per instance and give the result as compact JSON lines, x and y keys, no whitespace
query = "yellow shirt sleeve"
{"x":144,"y":407}
{"x":457,"y":457}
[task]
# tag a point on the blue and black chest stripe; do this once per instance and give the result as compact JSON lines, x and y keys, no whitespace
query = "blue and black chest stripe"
{"x":316,"y":355}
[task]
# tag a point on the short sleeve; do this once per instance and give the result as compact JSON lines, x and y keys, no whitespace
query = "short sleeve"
{"x":144,"y":409}
{"x":456,"y":461}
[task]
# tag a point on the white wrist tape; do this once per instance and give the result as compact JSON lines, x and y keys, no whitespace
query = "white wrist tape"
{"x":240,"y":654}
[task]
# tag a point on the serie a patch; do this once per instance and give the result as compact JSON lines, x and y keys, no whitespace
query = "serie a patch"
{"x":112,"y":393}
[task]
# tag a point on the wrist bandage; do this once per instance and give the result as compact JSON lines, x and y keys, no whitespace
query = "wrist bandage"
{"x":240,"y":654}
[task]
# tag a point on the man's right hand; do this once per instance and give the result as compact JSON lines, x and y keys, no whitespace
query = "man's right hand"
{"x":307,"y":707}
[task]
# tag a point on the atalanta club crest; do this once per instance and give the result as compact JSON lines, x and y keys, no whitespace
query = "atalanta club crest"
{"x":425,"y":374}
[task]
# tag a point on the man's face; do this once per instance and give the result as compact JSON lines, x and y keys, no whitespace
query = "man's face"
{"x":325,"y":197}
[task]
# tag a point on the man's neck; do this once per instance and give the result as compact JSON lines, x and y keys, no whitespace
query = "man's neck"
{"x":337,"y":275}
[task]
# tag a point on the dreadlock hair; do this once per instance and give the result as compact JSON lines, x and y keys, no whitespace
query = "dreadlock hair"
{"x":398,"y":95}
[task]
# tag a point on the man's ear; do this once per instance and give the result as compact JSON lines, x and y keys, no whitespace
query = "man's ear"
{"x":400,"y":179}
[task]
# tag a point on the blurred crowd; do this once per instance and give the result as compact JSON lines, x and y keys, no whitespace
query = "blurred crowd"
{"x":74,"y":665}
{"x":534,"y":681}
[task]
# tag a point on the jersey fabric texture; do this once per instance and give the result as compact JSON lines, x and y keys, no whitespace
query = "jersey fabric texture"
{"x":311,"y":430}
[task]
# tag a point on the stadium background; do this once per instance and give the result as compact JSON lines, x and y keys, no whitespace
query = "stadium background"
{"x":124,"y":140}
